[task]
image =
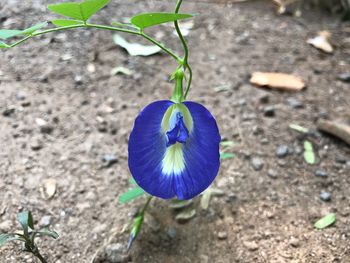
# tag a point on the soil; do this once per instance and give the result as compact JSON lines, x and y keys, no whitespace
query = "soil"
{"x":264,"y":216}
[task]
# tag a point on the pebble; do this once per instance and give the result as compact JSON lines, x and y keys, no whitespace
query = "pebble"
{"x":45,"y":221}
{"x":171,"y":232}
{"x":222,"y":235}
{"x":5,"y":226}
{"x":340,"y":159}
{"x":294,"y":103}
{"x":282,"y":151}
{"x":8,"y":111}
{"x":114,"y":253}
{"x":264,"y":98}
{"x":269,"y":111}
{"x":321,"y":173}
{"x":345,"y":77}
{"x":109,"y":159}
{"x":78,"y":80}
{"x":294,"y":242}
{"x":257,"y":163}
{"x":251,"y":246}
{"x":44,"y":126}
{"x":36,"y":144}
{"x":325,"y":196}
{"x":272,"y":174}
{"x":21,"y":95}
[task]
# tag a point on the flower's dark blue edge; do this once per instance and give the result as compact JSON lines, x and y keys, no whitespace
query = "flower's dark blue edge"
{"x":174,"y":149}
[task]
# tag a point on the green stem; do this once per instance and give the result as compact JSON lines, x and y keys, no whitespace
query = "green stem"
{"x":87,"y":25}
{"x":185,"y":47}
{"x":142,"y":212}
{"x":38,"y":255}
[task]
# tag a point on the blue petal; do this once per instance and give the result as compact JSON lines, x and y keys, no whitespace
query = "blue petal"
{"x":147,"y":147}
{"x":201,"y":153}
{"x":197,"y":146}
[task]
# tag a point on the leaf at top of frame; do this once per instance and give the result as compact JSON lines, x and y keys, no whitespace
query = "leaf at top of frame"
{"x":152,"y":19}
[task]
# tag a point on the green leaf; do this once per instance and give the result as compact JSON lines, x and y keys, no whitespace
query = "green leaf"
{"x":185,"y":216}
{"x":79,"y":11}
{"x":132,"y":181}
{"x":131,"y":195}
{"x":3,"y":45}
{"x":325,"y":221}
{"x":137,"y":224}
{"x":34,"y":28}
{"x":298,"y":128}
{"x":135,"y":49}
{"x":47,"y":232}
{"x":224,"y":156}
{"x":26,"y":220}
{"x":6,"y":33}
{"x":309,"y":154}
{"x":151,"y":19}
{"x":65,"y":22}
{"x":5,"y":238}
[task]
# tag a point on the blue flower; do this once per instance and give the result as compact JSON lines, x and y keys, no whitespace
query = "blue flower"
{"x":174,"y":149}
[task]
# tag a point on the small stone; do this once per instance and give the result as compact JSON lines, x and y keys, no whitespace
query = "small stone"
{"x":321,"y":173}
{"x":21,"y":95}
{"x":272,"y":174}
{"x":44,"y":126}
{"x":294,"y":242}
{"x":5,"y":226}
{"x":269,"y":111}
{"x":257,"y":163}
{"x":345,"y":77}
{"x":8,"y":111}
{"x":222,"y":235}
{"x":78,"y":80}
{"x":340,"y":159}
{"x":264,"y":98}
{"x":109,"y":159}
{"x":282,"y":151}
{"x":114,"y":253}
{"x":45,"y":221}
{"x":251,"y":246}
{"x":171,"y":232}
{"x":294,"y":103}
{"x":325,"y":196}
{"x":36,"y":144}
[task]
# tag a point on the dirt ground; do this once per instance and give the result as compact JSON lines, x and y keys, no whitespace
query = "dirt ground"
{"x":264,"y":216}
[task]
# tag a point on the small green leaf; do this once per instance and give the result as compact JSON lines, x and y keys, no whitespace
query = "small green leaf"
{"x":47,"y":232}
{"x":34,"y":28}
{"x":135,"y":49}
{"x":298,"y":128}
{"x":309,"y":154}
{"x":137,"y":224}
{"x":6,"y":33}
{"x":131,"y":195}
{"x":79,"y":11}
{"x":65,"y":22}
{"x":5,"y":238}
{"x":325,"y":221}
{"x":224,"y":156}
{"x":26,"y":220}
{"x":227,"y":144}
{"x":151,"y":19}
{"x":3,"y":45}
{"x":132,"y":181}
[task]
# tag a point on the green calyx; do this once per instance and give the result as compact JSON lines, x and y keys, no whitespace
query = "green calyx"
{"x":178,"y":93}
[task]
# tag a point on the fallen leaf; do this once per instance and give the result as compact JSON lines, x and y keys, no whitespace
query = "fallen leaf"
{"x":179,"y":204}
{"x":298,"y":128}
{"x":50,"y":188}
{"x":121,"y":70}
{"x":339,"y":130}
{"x":135,"y":49}
{"x":185,"y":28}
{"x":309,"y":154}
{"x":185,"y":216}
{"x":325,"y":221}
{"x":322,"y":42}
{"x":277,"y":81}
{"x":207,"y":194}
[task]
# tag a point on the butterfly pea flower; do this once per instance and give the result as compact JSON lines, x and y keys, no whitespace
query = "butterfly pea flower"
{"x":174,"y":149}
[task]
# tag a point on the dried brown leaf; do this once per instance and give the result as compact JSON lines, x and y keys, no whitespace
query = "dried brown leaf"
{"x":322,"y":42}
{"x":277,"y":81}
